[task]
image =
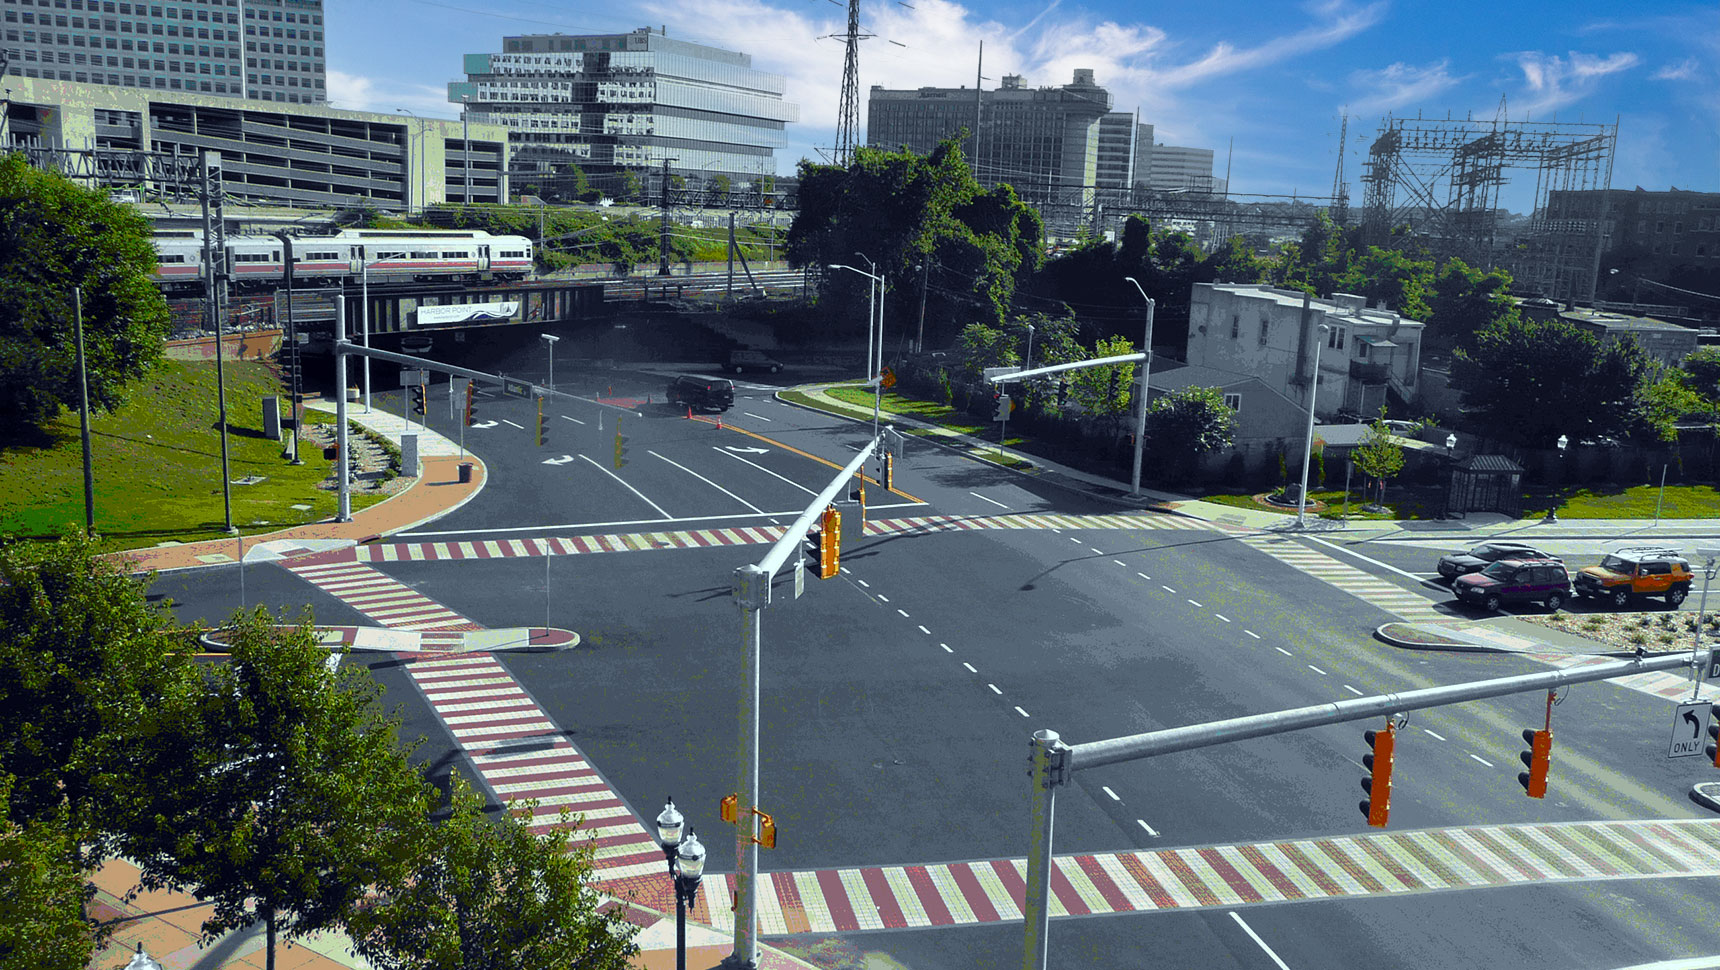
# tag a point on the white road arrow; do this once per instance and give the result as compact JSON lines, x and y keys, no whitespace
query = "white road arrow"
{"x":749,"y":451}
{"x":564,"y":459}
{"x":483,"y":424}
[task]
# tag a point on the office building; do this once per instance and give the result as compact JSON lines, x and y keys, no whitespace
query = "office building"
{"x":261,"y":50}
{"x":1125,"y":151}
{"x":1176,"y":169}
{"x":336,"y":158}
{"x":1043,"y":141}
{"x":609,"y":102}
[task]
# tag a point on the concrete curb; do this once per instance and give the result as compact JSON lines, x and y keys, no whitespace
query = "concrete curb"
{"x":1381,"y":634}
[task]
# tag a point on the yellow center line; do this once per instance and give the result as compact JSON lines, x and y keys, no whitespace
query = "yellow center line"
{"x":724,"y":426}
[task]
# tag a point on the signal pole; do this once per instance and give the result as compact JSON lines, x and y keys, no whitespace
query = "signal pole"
{"x":215,"y":281}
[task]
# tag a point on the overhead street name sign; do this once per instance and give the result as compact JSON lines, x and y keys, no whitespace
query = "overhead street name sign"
{"x":1713,"y":663}
{"x":1689,"y":728}
{"x":516,"y":388}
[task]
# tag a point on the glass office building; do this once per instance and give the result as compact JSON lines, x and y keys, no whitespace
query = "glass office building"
{"x":263,"y":50}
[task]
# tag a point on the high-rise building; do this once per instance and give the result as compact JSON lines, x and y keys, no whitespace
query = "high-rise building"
{"x":1042,"y":141}
{"x":1175,"y":169}
{"x":264,"y":50}
{"x":608,"y":102}
{"x":1125,"y":151}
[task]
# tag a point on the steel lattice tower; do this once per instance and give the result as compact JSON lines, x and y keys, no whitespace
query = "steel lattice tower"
{"x":848,"y":115}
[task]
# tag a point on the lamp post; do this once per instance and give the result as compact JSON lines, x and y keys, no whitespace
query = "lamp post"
{"x":418,"y":194}
{"x":1558,"y":479}
{"x":871,"y":309}
{"x":1308,"y":454}
{"x":550,"y":339}
{"x":686,"y":867}
{"x":1710,"y":565}
{"x":1450,"y":445}
{"x":1146,"y":378}
{"x":292,"y":347}
{"x":465,"y":151}
{"x":925,"y":277}
{"x":875,"y":367}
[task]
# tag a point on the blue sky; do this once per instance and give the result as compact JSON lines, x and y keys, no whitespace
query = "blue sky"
{"x":1275,"y":77}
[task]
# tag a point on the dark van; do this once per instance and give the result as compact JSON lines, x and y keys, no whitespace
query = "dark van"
{"x":702,"y":393}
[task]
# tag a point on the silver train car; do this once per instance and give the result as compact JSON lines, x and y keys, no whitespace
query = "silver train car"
{"x":351,"y":255}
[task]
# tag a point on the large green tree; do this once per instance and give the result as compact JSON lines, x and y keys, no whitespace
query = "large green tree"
{"x":1379,"y":457}
{"x":289,"y":795}
{"x":1467,"y":301}
{"x":485,"y":893}
{"x":56,"y":235}
{"x":1186,"y":424}
{"x":1106,"y":391}
{"x":1530,"y":381}
{"x":43,"y":889}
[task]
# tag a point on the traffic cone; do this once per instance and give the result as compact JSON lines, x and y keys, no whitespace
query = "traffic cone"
{"x":719,"y":421}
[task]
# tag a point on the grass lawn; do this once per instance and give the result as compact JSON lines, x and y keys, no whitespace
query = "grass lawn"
{"x":942,"y":415}
{"x":1638,"y":502}
{"x":157,"y":465}
{"x":1406,"y":504}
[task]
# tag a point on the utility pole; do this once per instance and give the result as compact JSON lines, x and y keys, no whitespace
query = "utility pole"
{"x":292,"y":350}
{"x":215,"y":283}
{"x":925,"y":275}
{"x":663,"y":225}
{"x":465,"y":151}
{"x":84,"y":413}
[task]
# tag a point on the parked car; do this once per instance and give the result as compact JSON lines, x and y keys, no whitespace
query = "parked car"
{"x":1543,"y":581}
{"x":1462,"y":563}
{"x":745,"y":360}
{"x":702,"y":393}
{"x":1637,"y":571}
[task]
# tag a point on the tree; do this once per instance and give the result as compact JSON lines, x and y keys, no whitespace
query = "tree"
{"x":1701,"y":369}
{"x":288,"y":795}
{"x":487,"y":894}
{"x":631,"y":189}
{"x":87,"y":669}
{"x":1104,"y":392}
{"x":56,"y":235}
{"x":1466,"y":301}
{"x":43,"y":889}
{"x":1379,"y":456}
{"x":1661,"y":402}
{"x":719,"y":189}
{"x":979,"y":347}
{"x":1184,"y":425}
{"x":1530,"y":381}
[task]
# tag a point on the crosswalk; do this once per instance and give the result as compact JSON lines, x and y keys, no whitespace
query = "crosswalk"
{"x":1386,"y":595}
{"x":1660,"y":683}
{"x":388,"y":601}
{"x":1340,"y":867}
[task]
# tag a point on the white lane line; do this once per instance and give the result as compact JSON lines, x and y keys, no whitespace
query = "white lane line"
{"x":1433,"y":735}
{"x":1120,"y":563}
{"x":1107,"y":790}
{"x":624,"y":484}
{"x":1197,"y":604}
{"x":1144,"y":576}
{"x":1166,"y":588}
{"x":1316,"y":670}
{"x":993,"y":501}
{"x":1351,"y":552}
{"x":708,"y":482}
{"x":1096,"y":552}
{"x":1482,"y":760}
{"x":946,"y":648}
{"x":1252,"y":634}
{"x":1258,"y":941}
{"x":1018,"y":710}
{"x":883,"y":598}
{"x":765,"y":470}
{"x":845,"y":569}
{"x":519,"y":426}
{"x":752,"y":415}
{"x":573,"y":419}
{"x":864,"y":583}
{"x":1353,"y":690}
{"x":1074,"y":538}
{"x":994,"y":689}
{"x":1284,"y":651}
{"x":969,"y":667}
{"x":923,"y":629}
{"x":903,"y":612}
{"x":1150,"y":830}
{"x":1222,"y":617}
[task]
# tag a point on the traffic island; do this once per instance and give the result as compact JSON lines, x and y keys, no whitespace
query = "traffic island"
{"x":1424,"y":636}
{"x":362,"y":639}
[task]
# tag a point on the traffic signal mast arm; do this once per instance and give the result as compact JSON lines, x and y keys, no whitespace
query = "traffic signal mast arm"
{"x":752,"y":583}
{"x":1013,"y":376}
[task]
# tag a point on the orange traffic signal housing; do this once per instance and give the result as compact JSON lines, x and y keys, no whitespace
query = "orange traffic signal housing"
{"x":1538,"y":759}
{"x":1378,"y":785}
{"x":830,"y":543}
{"x":766,"y":830}
{"x":726,"y":810}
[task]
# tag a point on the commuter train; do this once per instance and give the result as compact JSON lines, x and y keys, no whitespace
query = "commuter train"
{"x":351,"y":255}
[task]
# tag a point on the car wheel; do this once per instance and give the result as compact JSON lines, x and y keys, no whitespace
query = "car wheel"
{"x":1491,"y":603}
{"x":1676,"y":596}
{"x":1554,"y":602}
{"x":737,"y":368}
{"x":1621,"y":598}
{"x":774,"y":368}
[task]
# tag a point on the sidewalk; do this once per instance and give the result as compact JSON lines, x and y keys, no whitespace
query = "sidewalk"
{"x":437,"y":492}
{"x":1478,"y":527}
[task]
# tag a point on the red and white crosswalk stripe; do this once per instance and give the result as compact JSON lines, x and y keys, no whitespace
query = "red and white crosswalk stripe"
{"x":520,"y":755}
{"x":1429,"y":860}
{"x":388,"y":601}
{"x":1660,"y":683}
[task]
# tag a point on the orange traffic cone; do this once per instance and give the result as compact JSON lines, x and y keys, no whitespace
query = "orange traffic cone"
{"x":719,"y":422}
{"x":689,"y":412}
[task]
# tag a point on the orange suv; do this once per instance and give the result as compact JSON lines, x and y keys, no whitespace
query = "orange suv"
{"x":1629,"y":573}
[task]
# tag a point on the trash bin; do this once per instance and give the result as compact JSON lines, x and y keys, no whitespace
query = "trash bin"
{"x":465,"y":472}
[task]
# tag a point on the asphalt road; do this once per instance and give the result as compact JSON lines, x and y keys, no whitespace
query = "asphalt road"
{"x":898,"y":698}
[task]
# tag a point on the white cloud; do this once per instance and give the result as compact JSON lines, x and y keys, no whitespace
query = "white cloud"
{"x":1684,"y":70}
{"x":355,"y":92}
{"x":1400,"y":85}
{"x":1342,"y":23}
{"x":1553,"y":82}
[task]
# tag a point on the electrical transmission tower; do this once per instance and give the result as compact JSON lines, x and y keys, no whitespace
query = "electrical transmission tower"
{"x":848,"y":116}
{"x":1340,"y":187}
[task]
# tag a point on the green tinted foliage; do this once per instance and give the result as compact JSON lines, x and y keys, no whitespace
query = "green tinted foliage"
{"x":1105,"y":391}
{"x":54,"y":236}
{"x":1188,"y":423}
{"x":43,"y":890}
{"x":1466,"y":301}
{"x":1702,"y":373}
{"x":1531,"y":381}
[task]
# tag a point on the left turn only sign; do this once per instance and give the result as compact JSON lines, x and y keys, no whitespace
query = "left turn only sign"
{"x":1689,"y":727}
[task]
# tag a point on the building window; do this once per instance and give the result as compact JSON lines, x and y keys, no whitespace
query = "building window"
{"x":1233,"y":401}
{"x":1335,"y":338}
{"x":1235,"y":326}
{"x":1265,"y":330}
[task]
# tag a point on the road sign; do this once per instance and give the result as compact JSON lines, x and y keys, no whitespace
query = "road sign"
{"x":799,"y":576}
{"x":1713,"y":663}
{"x":516,"y":388}
{"x":887,"y":377}
{"x":1689,"y":727}
{"x":993,"y":373}
{"x":409,"y":376}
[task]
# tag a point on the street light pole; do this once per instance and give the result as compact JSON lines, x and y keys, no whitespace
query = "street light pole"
{"x":1308,"y":453}
{"x":364,"y":283}
{"x":1558,"y":479}
{"x":1146,"y":379}
{"x":292,"y":347}
{"x":465,"y":151}
{"x":550,"y":339}
{"x":686,"y":869}
{"x":871,"y":308}
{"x":418,"y":193}
{"x":925,"y":276}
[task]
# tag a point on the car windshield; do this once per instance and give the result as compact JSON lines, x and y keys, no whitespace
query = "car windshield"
{"x":1500,"y":571}
{"x":1616,"y":565}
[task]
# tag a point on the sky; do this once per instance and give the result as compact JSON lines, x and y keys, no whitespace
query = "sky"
{"x":1263,"y":84}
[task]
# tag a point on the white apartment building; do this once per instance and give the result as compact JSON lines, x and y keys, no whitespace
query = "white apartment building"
{"x":1273,"y":334}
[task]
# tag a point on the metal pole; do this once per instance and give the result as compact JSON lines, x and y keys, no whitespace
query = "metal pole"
{"x":1036,"y":912}
{"x":663,"y":229}
{"x":213,"y":279}
{"x":84,"y":412}
{"x":925,"y":275}
{"x":546,"y":553}
{"x":1701,"y":616}
{"x":1146,"y":380}
{"x":746,"y":849}
{"x":680,"y":926}
{"x":878,"y":367}
{"x":729,"y":287}
{"x":450,"y":398}
{"x":292,"y":347}
{"x":1659,"y":502}
{"x":1308,"y":453}
{"x":364,"y":325}
{"x":465,"y":151}
{"x":343,"y":512}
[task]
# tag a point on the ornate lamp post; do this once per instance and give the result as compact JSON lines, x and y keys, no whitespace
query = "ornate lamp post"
{"x":1558,"y":479}
{"x":686,"y":867}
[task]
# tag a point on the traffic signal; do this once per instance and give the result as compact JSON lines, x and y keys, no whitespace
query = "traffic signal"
{"x":1062,"y":393}
{"x":1000,"y":407}
{"x":471,"y":407}
{"x":1378,"y":784}
{"x":889,"y":480}
{"x":766,"y":830}
{"x":1713,"y":750}
{"x":726,"y":808}
{"x":417,"y":399}
{"x":1537,"y":759}
{"x":620,"y":447}
{"x":542,"y":432}
{"x":830,"y":544}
